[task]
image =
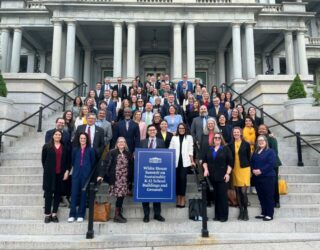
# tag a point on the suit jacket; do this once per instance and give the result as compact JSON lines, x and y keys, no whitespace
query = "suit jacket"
{"x":189,"y":86}
{"x":99,"y":97}
{"x":104,"y":88}
{"x":187,"y":149}
{"x":159,"y":143}
{"x":112,"y":108}
{"x":98,"y":141}
{"x":82,"y":172}
{"x":121,"y":92}
{"x":132,"y":136}
{"x":167,"y":140}
{"x":212,"y":111}
{"x":244,"y":153}
{"x":107,"y":130}
{"x":197,"y":129}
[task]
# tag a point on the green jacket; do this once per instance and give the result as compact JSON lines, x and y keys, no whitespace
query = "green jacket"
{"x":274,"y":145}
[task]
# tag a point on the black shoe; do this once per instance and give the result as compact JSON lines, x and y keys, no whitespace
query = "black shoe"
{"x":240,"y":217}
{"x":223,"y":220}
{"x":277,"y":205}
{"x":215,"y":219}
{"x":259,"y":216}
{"x":47,"y":219}
{"x":159,"y":218}
{"x":146,"y":219}
{"x":267,"y":218}
{"x":54,"y":219}
{"x":245,"y":215}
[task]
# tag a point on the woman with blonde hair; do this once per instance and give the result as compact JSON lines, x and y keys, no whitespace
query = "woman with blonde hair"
{"x":82,"y":118}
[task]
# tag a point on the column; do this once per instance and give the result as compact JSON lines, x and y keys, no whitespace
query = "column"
{"x":191,"y":51}
{"x":56,"y":49}
{"x":177,"y":51}
{"x":276,"y":64}
{"x":251,"y":66}
{"x":42,"y":65}
{"x":296,"y":55}
{"x":131,"y":50}
{"x":289,"y":53}
{"x":16,"y":49}
{"x":5,"y":33}
{"x":222,"y":69}
{"x":314,"y":28}
{"x":87,"y":66}
{"x":236,"y":51}
{"x":30,"y":64}
{"x":264,"y":63}
{"x":71,"y":50}
{"x":117,"y":53}
{"x":303,"y":61}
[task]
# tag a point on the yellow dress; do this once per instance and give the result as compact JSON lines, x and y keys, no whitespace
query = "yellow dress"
{"x":240,"y":176}
{"x":249,"y":135}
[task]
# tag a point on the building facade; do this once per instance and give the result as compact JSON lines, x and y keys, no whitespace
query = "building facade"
{"x":218,"y":41}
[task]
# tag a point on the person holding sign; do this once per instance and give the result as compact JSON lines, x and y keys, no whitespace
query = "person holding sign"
{"x":152,"y":142}
{"x":217,"y":164}
{"x":182,"y":142}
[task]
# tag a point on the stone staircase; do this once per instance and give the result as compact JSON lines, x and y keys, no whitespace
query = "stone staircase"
{"x":22,"y":226}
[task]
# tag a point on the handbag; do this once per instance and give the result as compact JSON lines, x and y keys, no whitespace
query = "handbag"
{"x":101,"y":211}
{"x":195,"y":209}
{"x":232,"y":198}
{"x":283,"y":188}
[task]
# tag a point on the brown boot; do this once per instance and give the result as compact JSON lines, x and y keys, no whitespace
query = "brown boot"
{"x":118,"y":216}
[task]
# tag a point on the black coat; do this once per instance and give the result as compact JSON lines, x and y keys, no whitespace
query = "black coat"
{"x":123,"y":93}
{"x":107,"y":169}
{"x":159,"y":143}
{"x":167,"y":140}
{"x":48,"y":159}
{"x":218,"y":167}
{"x":244,"y":153}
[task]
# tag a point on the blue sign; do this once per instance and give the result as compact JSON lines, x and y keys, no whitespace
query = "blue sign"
{"x":154,"y":175}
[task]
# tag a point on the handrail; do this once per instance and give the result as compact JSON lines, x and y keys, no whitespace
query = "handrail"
{"x":197,"y":179}
{"x":275,"y":120}
{"x":64,"y":96}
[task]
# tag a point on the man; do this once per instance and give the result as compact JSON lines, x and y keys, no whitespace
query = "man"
{"x":140,"y":105}
{"x":99,"y":93}
{"x":186,"y":83}
{"x":110,"y":104}
{"x":121,"y":88}
{"x":152,"y":142}
{"x":168,"y":82}
{"x":216,"y":109}
{"x":95,"y":134}
{"x":141,"y":95}
{"x":228,"y":109}
{"x":106,"y":85}
{"x":153,"y":81}
{"x":104,"y":106}
{"x":147,"y":116}
{"x":60,"y":123}
{"x":103,"y":123}
{"x":159,"y":81}
{"x":171,"y":101}
{"x":91,"y":107}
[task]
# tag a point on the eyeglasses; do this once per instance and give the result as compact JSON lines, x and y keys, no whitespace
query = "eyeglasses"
{"x":261,"y":140}
{"x":182,"y":128}
{"x":218,"y":138}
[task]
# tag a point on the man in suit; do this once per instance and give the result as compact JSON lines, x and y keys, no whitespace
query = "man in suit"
{"x":171,"y":101}
{"x":103,"y":123}
{"x":141,"y":95}
{"x":121,"y":88}
{"x":228,"y":109}
{"x":106,"y":85}
{"x":95,"y":134}
{"x":187,"y":85}
{"x":110,"y":104}
{"x":60,"y":123}
{"x":216,"y":109}
{"x":147,"y":116}
{"x":99,"y":93}
{"x":152,"y":142}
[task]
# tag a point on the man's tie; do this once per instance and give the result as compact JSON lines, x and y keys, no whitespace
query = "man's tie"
{"x":89,"y":135}
{"x":151,"y":144}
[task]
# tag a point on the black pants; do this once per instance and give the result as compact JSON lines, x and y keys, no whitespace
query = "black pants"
{"x":265,"y":190}
{"x":276,"y":187}
{"x":48,"y":197}
{"x":221,"y":208}
{"x":119,"y":202}
{"x":181,"y":180}
{"x":156,"y":208}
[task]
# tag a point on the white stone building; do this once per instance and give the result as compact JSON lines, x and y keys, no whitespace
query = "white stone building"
{"x":219,"y":41}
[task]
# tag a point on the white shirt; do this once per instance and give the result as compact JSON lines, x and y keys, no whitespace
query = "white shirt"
{"x":92,"y":133}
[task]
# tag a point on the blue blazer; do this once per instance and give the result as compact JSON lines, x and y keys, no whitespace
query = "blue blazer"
{"x":88,"y":162}
{"x":265,"y":161}
{"x":189,"y":86}
{"x":112,"y":108}
{"x":132,"y":136}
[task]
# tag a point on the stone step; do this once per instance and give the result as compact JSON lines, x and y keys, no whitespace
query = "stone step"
{"x":299,"y":170}
{"x":171,"y":226}
{"x":25,"y":170}
{"x":217,"y":241}
{"x":304,"y":187}
{"x":35,"y":188}
{"x":21,"y":156}
{"x":304,"y":178}
{"x":20,"y":162}
{"x":170,"y":212}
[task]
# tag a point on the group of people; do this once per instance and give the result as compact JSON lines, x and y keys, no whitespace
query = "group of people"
{"x":233,"y":147}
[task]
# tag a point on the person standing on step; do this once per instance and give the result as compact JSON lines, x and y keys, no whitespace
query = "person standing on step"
{"x":217,"y":165}
{"x":241,"y":170}
{"x":152,"y":142}
{"x":56,"y":166}
{"x":262,"y":167}
{"x":116,"y":168}
{"x":83,"y":160}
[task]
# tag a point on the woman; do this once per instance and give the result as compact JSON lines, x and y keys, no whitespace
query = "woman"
{"x":156,"y":120}
{"x":208,"y":134}
{"x":197,"y":84}
{"x":273,"y":144}
{"x":192,"y":111}
{"x":241,"y":170}
{"x":253,"y":114}
{"x":164,"y":134}
{"x":77,"y":104}
{"x":217,"y":165}
{"x":182,"y":142}
{"x":83,"y":160}
{"x":188,"y":99}
{"x":222,"y":99}
{"x":235,"y":120}
{"x":214,"y":92}
{"x":133,"y":103}
{"x":137,"y":117}
{"x":241,"y":110}
{"x":229,"y":99}
{"x":68,"y":119}
{"x":154,"y":96}
{"x":263,"y":176}
{"x":125,"y":104}
{"x":82,"y":118}
{"x":91,"y":94}
{"x":205,"y":99}
{"x":116,"y":100}
{"x":249,"y":133}
{"x":225,"y":129}
{"x":173,"y":119}
{"x":56,"y":166}
{"x":158,"y":105}
{"x":116,"y":168}
{"x":198,"y":93}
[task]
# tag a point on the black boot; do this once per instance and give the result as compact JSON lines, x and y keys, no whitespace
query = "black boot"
{"x":240,"y":217}
{"x":118,"y":216}
{"x":245,"y":214}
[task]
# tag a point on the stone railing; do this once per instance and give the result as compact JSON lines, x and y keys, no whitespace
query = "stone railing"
{"x":39,"y":4}
{"x":214,"y":1}
{"x":154,"y":1}
{"x":272,"y":8}
{"x":314,"y":41}
{"x":35,"y":4}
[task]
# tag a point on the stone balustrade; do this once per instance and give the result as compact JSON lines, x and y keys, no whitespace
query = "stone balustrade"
{"x":35,"y":4}
{"x":272,"y":8}
{"x":314,"y":41}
